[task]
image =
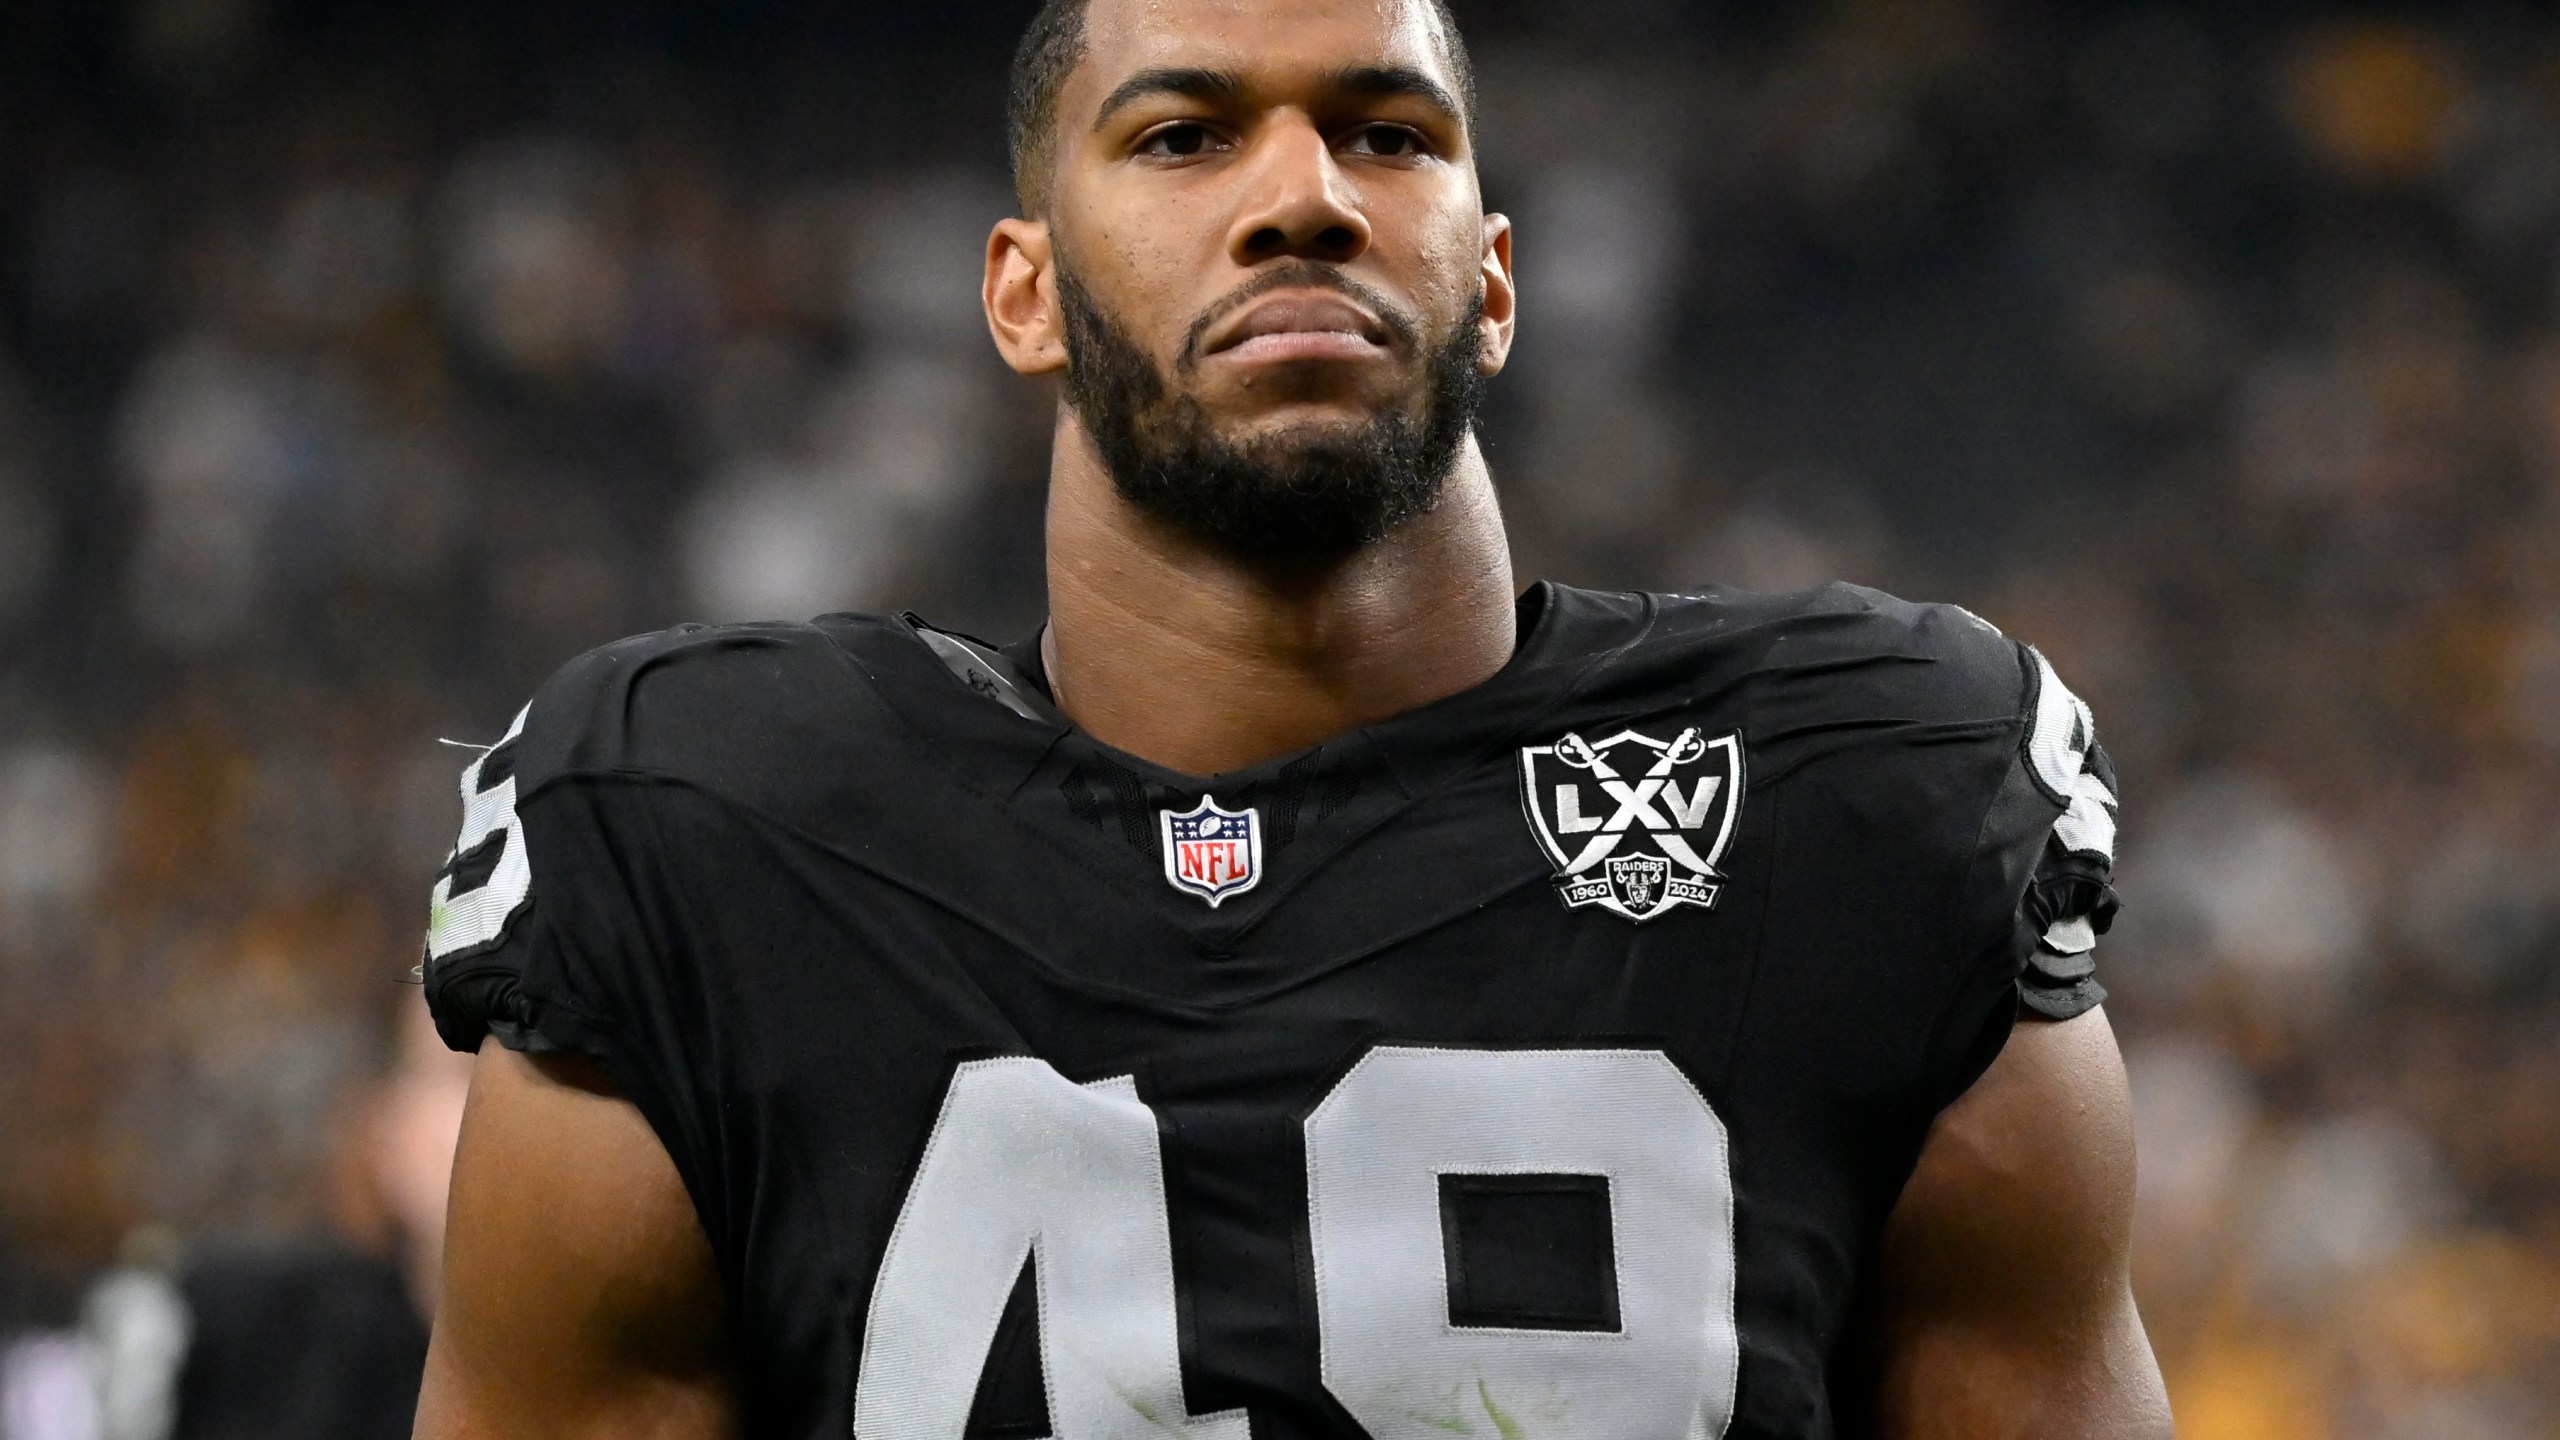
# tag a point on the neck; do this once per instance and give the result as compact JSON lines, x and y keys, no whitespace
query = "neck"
{"x":1187,"y":656}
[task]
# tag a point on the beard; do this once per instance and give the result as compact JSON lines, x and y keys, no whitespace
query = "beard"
{"x":1300,"y":498}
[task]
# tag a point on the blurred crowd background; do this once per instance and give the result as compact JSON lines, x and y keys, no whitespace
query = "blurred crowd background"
{"x":361,"y":362}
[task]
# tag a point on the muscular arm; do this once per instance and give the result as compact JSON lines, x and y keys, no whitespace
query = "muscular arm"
{"x":580,"y":1297}
{"x":2003,"y":1303}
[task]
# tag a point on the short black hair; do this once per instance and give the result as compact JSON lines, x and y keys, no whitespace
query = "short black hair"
{"x":1053,"y":44}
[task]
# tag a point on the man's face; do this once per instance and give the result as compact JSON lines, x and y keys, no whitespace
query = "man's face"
{"x":1276,"y":285}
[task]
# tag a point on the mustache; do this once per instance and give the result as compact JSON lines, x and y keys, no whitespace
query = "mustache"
{"x":1299,"y":275}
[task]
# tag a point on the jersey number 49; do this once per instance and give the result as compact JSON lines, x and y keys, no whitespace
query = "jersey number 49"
{"x":1023,"y":1164}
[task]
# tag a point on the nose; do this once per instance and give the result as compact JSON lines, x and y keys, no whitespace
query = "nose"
{"x":1296,"y":203}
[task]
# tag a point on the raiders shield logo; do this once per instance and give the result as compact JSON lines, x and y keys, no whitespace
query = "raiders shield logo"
{"x":1210,"y":852}
{"x":1634,"y":825}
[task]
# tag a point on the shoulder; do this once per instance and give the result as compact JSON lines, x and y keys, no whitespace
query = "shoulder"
{"x":1934,"y":732}
{"x":689,"y":700}
{"x":739,"y":714}
{"x":1848,"y":647}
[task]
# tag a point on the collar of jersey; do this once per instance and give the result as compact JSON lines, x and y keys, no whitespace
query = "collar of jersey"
{"x":1453,"y":755}
{"x":1418,"y":744}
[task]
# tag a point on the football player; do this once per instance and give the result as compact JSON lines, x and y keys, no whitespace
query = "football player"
{"x":1310,"y":988}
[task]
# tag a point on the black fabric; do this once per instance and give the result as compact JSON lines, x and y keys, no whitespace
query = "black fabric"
{"x":472,"y":868}
{"x":2055,"y":985}
{"x":297,"y":1342}
{"x":498,"y":766}
{"x":1529,"y":1252}
{"x":1013,"y":1394}
{"x":785,"y":877}
{"x":1029,"y":663}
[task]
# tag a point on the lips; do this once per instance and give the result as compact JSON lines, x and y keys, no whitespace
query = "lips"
{"x":1299,"y":325}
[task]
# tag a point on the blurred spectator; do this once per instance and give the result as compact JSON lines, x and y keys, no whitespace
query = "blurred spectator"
{"x":314,"y":1336}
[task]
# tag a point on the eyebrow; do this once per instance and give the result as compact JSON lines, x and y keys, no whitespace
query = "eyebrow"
{"x":1197,"y":84}
{"x":1378,"y":82}
{"x":1225,"y":86}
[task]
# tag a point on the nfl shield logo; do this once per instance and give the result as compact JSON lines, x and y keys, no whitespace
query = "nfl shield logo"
{"x":1213,"y":853}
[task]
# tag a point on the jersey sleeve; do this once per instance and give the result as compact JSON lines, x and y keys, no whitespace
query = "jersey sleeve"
{"x":2070,"y":898}
{"x":541,"y":889}
{"x":569,"y":916}
{"x":2038,"y":889}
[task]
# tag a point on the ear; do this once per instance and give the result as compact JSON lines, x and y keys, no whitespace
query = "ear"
{"x":1501,"y":301}
{"x":1021,"y":298}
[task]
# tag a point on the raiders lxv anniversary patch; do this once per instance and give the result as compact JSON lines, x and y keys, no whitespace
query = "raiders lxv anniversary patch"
{"x":1635,"y":825}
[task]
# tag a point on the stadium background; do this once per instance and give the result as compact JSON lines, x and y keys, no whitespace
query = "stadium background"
{"x":359,"y":362}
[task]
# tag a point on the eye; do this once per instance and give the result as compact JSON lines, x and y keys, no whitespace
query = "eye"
{"x":1179,"y":141}
{"x":1395,"y":142}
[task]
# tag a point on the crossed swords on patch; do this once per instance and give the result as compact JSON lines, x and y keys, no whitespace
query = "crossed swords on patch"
{"x":1635,"y":799}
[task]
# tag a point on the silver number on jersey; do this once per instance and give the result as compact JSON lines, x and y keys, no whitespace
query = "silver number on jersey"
{"x":1023,"y":1162}
{"x":476,"y":917}
{"x":1402,"y":1118}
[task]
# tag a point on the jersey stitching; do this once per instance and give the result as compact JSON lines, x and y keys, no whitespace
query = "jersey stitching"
{"x":1733,"y":1291}
{"x":1617,"y":1272}
{"x":932,"y":1145}
{"x":1040,"y":1341}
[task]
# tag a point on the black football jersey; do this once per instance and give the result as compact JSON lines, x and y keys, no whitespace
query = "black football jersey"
{"x":1542,"y":1062}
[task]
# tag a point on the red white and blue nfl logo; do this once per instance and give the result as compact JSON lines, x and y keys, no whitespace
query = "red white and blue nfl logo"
{"x":1213,"y":853}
